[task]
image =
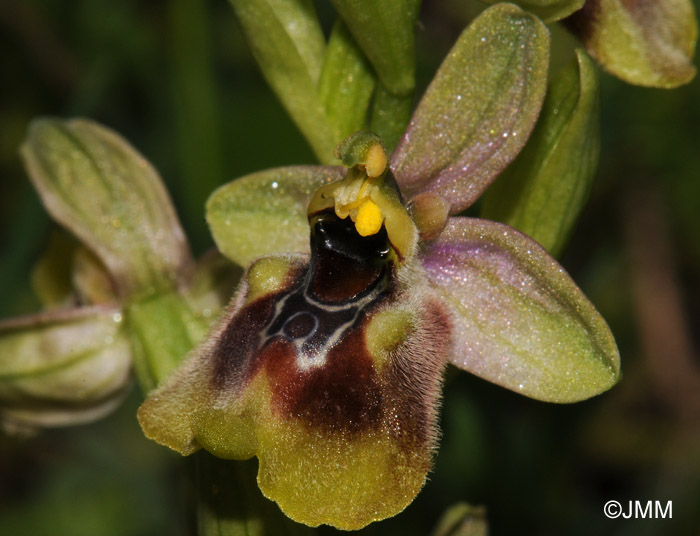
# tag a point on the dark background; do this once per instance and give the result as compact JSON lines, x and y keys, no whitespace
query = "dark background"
{"x":177,"y":80}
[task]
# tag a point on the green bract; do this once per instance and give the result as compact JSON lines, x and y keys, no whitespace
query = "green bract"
{"x":291,"y":58}
{"x":327,"y":363}
{"x":346,"y":83}
{"x":543,"y":191}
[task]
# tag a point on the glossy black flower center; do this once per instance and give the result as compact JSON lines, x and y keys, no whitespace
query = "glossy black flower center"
{"x":345,"y":265}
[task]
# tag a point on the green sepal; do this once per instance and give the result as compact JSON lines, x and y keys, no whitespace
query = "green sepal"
{"x":547,"y":10}
{"x":346,"y":83}
{"x":287,"y":42}
{"x":62,"y":367}
{"x":543,"y":191}
{"x":648,"y":43}
{"x":98,"y":187}
{"x":265,"y":213}
{"x":385,"y":32}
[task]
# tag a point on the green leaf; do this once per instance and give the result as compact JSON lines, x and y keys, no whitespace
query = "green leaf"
{"x":385,"y":32}
{"x":265,"y":213}
{"x":643,"y":43}
{"x":97,"y":186}
{"x":479,"y":110}
{"x":346,"y":83}
{"x":547,"y":10}
{"x":62,"y":367}
{"x":287,"y":42}
{"x":544,"y":190}
{"x":520,"y":321}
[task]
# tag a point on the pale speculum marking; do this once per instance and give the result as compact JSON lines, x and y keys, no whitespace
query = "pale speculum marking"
{"x":315,"y":327}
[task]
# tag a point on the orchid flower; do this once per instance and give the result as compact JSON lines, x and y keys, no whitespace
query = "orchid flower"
{"x":363,"y":283}
{"x":124,"y":293}
{"x":643,"y":43}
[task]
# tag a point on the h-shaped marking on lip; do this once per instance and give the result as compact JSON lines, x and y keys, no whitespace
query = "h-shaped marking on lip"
{"x":310,"y":354}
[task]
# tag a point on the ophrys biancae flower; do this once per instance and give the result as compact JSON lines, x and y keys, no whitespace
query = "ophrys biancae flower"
{"x":327,"y":363}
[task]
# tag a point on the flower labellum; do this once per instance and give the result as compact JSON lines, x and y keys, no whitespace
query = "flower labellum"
{"x":327,"y":367}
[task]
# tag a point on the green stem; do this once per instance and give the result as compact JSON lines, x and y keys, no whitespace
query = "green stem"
{"x":196,"y":110}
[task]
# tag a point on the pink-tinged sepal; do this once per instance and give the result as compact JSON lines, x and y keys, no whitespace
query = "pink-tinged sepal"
{"x":520,"y":321}
{"x":479,"y":110}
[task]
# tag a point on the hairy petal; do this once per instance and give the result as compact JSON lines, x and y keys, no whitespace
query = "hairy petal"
{"x":51,"y":275}
{"x":62,"y":367}
{"x":479,"y":110}
{"x":96,"y":185}
{"x":265,"y":213}
{"x":520,"y":321}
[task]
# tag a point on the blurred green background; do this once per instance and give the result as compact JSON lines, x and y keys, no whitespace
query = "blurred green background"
{"x":176,"y":79}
